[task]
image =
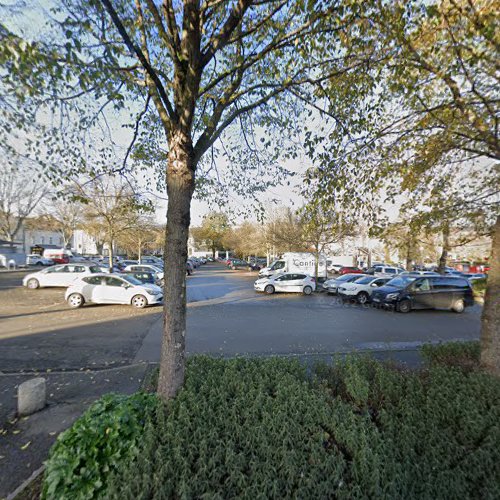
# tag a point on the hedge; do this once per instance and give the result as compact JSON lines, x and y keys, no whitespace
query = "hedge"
{"x":254,"y":428}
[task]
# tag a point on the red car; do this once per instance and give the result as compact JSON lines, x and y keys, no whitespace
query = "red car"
{"x":350,"y":270}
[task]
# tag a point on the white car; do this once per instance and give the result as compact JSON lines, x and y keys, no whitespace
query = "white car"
{"x":286,"y":282}
{"x":332,"y":285}
{"x":361,"y":289}
{"x":146,"y":268}
{"x":60,"y":275}
{"x":37,"y":260}
{"x":387,"y":271}
{"x":110,"y":289}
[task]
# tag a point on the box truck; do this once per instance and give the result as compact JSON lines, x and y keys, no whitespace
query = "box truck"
{"x":301,"y":262}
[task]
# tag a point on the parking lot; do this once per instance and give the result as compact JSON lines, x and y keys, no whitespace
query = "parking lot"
{"x":225,"y":316}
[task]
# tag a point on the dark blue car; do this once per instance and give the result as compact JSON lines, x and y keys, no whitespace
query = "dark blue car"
{"x":405,"y":293}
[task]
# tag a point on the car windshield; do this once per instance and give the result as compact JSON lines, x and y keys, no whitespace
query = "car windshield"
{"x":401,"y":281}
{"x":365,"y":280}
{"x":132,"y":280}
{"x":346,"y":277}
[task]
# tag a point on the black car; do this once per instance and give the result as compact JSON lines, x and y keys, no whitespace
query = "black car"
{"x":405,"y":293}
{"x":241,"y":264}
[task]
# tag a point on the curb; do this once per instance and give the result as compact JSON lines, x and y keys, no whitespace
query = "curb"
{"x":25,"y":484}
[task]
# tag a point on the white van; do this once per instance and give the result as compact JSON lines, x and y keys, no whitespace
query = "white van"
{"x":303,"y":262}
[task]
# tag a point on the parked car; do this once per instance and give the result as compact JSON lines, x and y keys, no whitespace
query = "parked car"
{"x":147,"y":268}
{"x":60,"y":275}
{"x":37,"y":260}
{"x":405,"y":293}
{"x":109,"y":289}
{"x":419,"y":273}
{"x":286,"y":282}
{"x":58,"y":255}
{"x":124,"y":263}
{"x":331,"y":285}
{"x":349,"y":270}
{"x":239,"y":264}
{"x":143,"y":277}
{"x":474,"y":276}
{"x":361,"y":289}
{"x":151,"y":259}
{"x":384,"y":271}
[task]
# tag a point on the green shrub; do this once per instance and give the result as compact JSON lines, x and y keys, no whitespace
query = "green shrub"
{"x":101,"y":440}
{"x":479,"y":287}
{"x":253,"y":428}
{"x":464,"y":355}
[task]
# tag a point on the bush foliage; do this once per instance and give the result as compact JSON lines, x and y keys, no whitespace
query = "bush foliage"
{"x":265,"y":429}
{"x":464,"y":355}
{"x":102,"y":440}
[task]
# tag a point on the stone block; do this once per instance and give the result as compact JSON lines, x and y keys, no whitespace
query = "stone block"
{"x":31,"y":396}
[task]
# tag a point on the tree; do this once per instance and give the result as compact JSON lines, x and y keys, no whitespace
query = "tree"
{"x":212,"y":231}
{"x":247,"y":239}
{"x":21,"y":191}
{"x":322,"y":228}
{"x":199,"y":67}
{"x":140,"y":235}
{"x":490,"y":319}
{"x":64,"y":217}
{"x":111,"y":209}
{"x":284,"y":232}
{"x":438,"y":110}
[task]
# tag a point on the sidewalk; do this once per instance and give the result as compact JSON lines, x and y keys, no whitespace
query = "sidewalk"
{"x":25,"y":442}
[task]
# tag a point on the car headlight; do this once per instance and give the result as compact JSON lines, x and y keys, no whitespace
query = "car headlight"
{"x":391,"y":296}
{"x":153,"y":292}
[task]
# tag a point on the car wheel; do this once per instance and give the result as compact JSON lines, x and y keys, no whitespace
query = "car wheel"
{"x":33,"y":284}
{"x":362,"y":297}
{"x":458,"y":306}
{"x":269,"y":289}
{"x":75,"y":300}
{"x":307,"y":290}
{"x":139,"y":301}
{"x":39,"y":263}
{"x":404,"y":306}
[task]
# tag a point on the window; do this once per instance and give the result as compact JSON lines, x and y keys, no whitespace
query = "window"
{"x":445,"y":283}
{"x":114,"y":282}
{"x":422,"y":286}
{"x":78,"y":269}
{"x":380,"y":282}
{"x":50,"y":240}
{"x":389,"y":270}
{"x":279,"y":265}
{"x":300,"y":277}
{"x":60,"y":241}
{"x":42,"y":239}
{"x":94,"y":269}
{"x":93,"y":280}
{"x":55,"y":269}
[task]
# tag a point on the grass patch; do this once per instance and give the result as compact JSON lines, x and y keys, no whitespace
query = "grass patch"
{"x":255,"y":428}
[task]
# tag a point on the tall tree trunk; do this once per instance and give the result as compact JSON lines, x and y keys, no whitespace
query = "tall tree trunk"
{"x":111,"y":256}
{"x":180,"y":187}
{"x":443,"y":259}
{"x":316,"y":264}
{"x":490,"y":319}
